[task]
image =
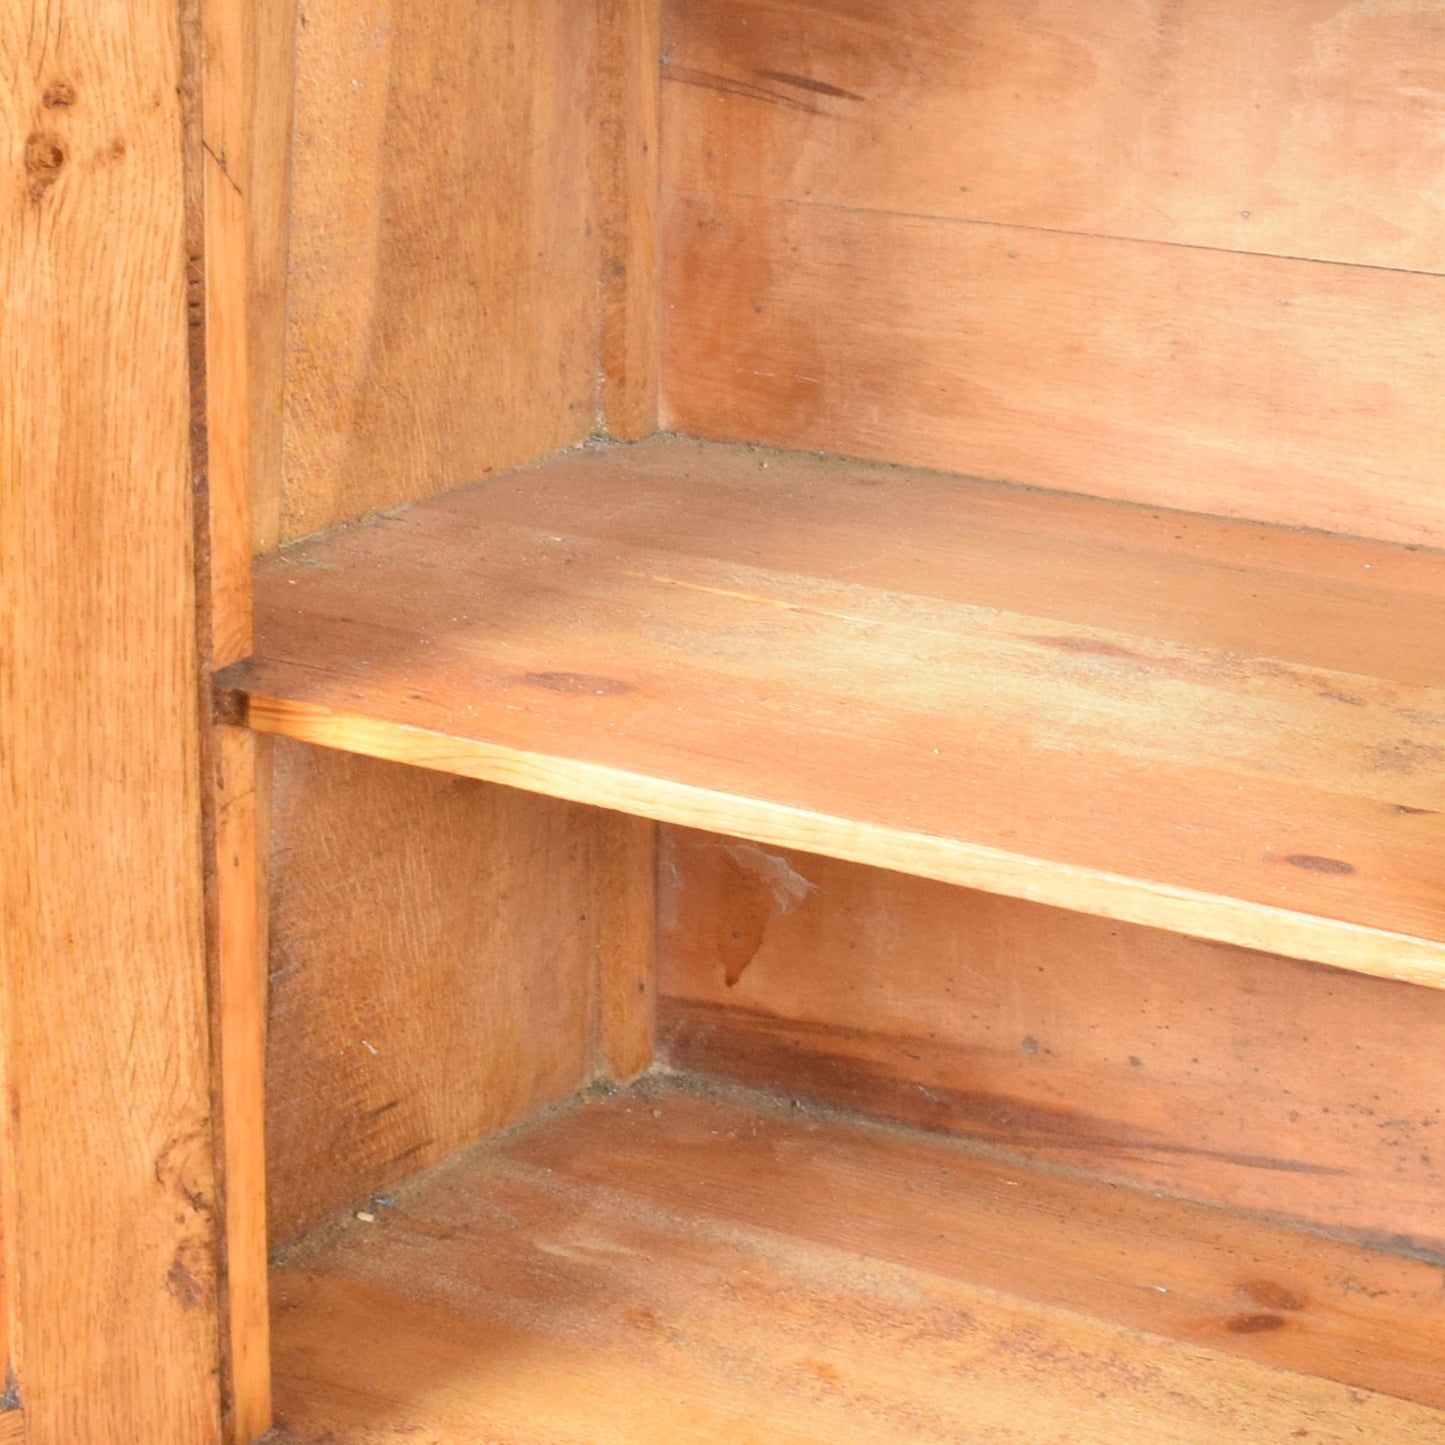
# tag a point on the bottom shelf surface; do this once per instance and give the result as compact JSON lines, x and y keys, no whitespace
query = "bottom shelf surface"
{"x":676,"y":1263}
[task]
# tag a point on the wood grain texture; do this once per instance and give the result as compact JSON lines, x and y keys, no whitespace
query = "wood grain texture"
{"x":12,"y":1428}
{"x":443,"y":297}
{"x":225,"y":168}
{"x":1212,"y":727}
{"x":1310,"y":129}
{"x":270,"y":62}
{"x":1200,"y":1071}
{"x":629,"y":41}
{"x":435,"y":948}
{"x":242,"y":763}
{"x":243,"y":171}
{"x":102,"y":941}
{"x":623,"y":875}
{"x":9,"y":1209}
{"x":1248,"y":386}
{"x":662,"y":1268}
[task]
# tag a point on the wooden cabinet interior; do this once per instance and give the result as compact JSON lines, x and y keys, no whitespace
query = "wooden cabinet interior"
{"x":1161,"y":699}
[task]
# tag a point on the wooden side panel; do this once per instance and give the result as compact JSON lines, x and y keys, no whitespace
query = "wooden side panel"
{"x":444,"y":306}
{"x":1283,"y":390}
{"x":1203,"y":1071}
{"x":101,"y":909}
{"x":471,"y":284}
{"x":434,"y":971}
{"x":1312,"y":128}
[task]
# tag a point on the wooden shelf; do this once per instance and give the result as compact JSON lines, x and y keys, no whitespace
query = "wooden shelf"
{"x":1210,"y":726}
{"x":673,"y":1266}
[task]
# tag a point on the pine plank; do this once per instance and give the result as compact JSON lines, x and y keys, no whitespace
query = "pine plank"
{"x":1217,"y":728}
{"x":662,"y":1267}
{"x":1151,"y":1059}
{"x":1291,"y":391}
{"x":12,"y":1428}
{"x":471,"y":283}
{"x":1310,"y":129}
{"x":101,"y":909}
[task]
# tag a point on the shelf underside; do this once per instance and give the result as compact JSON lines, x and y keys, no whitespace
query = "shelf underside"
{"x":1205,"y":725}
{"x":674,"y":1266}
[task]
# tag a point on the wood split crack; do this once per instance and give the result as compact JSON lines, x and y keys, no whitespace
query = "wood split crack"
{"x":220,"y":159}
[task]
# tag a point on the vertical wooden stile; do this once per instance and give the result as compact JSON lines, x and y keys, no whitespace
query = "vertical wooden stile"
{"x":630,"y":64}
{"x":243,"y":169}
{"x":102,"y":944}
{"x":624,"y":861}
{"x":269,"y":80}
{"x":12,"y":1419}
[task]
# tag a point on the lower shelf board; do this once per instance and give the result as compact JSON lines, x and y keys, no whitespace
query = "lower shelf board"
{"x":674,"y":1264}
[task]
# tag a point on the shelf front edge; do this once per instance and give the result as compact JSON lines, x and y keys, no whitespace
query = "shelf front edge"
{"x":1234,"y":921}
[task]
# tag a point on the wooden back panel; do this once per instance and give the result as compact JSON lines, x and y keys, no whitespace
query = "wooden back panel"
{"x":1182,"y":254}
{"x":1189,"y":1068}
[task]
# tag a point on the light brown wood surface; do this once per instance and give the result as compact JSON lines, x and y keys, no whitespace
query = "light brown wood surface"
{"x":1217,"y":728}
{"x":443,"y":294}
{"x":238,"y":200}
{"x":9,"y":1207}
{"x":101,"y":913}
{"x":224,"y":380}
{"x":1205,"y":1072}
{"x":242,"y":802}
{"x":471,"y":283}
{"x":667,"y":1268}
{"x":434,"y":972}
{"x":629,"y":40}
{"x":623,"y":878}
{"x":12,"y":1428}
{"x":1307,"y":129}
{"x":1251,"y":386}
{"x":9,"y":1381}
{"x":270,"y":64}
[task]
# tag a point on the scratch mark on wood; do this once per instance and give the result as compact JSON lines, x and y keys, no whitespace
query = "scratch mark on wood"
{"x":803,"y":82}
{"x":728,"y":86}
